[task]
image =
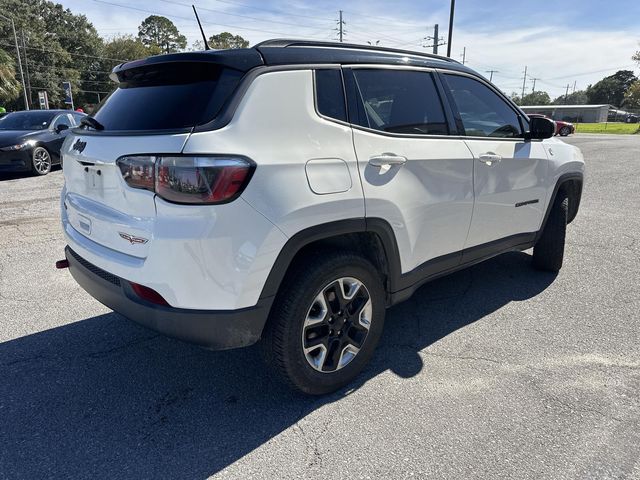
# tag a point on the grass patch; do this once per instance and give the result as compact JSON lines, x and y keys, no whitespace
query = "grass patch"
{"x":617,"y":128}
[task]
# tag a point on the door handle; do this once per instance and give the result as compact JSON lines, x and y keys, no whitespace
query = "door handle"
{"x":387,"y":160}
{"x":490,"y":158}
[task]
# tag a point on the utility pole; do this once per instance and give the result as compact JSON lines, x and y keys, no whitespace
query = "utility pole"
{"x":566,"y":94}
{"x":26,"y":67}
{"x":533,"y":90}
{"x":341,"y":31}
{"x":524,"y":82}
{"x":575,"y":82}
{"x":15,"y":38}
{"x":453,"y":7}
{"x":437,"y":41}
{"x":464,"y":55}
{"x":491,"y":72}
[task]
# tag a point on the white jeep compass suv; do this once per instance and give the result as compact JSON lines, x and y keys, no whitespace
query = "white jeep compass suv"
{"x":291,"y":192}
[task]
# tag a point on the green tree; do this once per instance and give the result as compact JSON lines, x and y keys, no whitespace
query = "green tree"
{"x":124,"y":48}
{"x":579,"y":97}
{"x":60,"y":46}
{"x":9,"y":86}
{"x":632,"y":97}
{"x":225,"y":40}
{"x":636,"y":56}
{"x":611,"y":89}
{"x":535,"y":98}
{"x":161,"y":32}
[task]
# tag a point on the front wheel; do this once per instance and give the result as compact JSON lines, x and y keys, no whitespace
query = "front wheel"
{"x":40,"y":161}
{"x":326,"y":322}
{"x":564,"y":131}
{"x":548,"y":253}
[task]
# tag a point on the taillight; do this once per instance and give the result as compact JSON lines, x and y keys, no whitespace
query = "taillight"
{"x":138,"y":172}
{"x":188,"y":179}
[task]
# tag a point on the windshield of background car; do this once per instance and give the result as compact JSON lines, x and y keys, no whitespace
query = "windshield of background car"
{"x":26,"y":120}
{"x":168,"y":96}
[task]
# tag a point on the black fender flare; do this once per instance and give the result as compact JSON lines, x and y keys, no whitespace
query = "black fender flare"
{"x":564,"y":178}
{"x":328,"y":230}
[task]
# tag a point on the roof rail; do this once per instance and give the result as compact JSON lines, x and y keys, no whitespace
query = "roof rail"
{"x":286,"y":42}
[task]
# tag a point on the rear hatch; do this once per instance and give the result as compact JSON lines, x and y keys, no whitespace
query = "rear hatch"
{"x":156,"y":106}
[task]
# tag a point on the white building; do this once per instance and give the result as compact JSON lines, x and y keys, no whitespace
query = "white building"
{"x":573,"y":113}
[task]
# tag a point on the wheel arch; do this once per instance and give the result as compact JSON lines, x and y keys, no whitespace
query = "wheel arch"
{"x":372,"y":238}
{"x":570,"y":184}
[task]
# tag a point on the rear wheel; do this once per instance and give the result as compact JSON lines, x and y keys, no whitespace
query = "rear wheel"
{"x":548,"y":253}
{"x":40,"y":161}
{"x":564,"y":131}
{"x":326,"y":322}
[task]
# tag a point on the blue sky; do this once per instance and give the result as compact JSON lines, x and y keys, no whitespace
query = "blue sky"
{"x":560,"y":42}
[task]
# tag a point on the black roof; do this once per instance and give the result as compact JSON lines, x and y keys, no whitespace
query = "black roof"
{"x":297,"y":52}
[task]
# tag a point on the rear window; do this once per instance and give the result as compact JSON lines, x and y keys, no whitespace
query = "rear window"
{"x":168,"y":97}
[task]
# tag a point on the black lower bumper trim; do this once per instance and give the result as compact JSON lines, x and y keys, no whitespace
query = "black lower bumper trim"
{"x":218,"y":329}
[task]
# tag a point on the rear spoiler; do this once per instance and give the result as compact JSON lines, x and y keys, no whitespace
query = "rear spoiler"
{"x":241,"y":59}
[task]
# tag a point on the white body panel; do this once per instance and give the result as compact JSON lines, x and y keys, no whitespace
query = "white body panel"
{"x":519,"y":175}
{"x":428,"y":201}
{"x":277,"y":126}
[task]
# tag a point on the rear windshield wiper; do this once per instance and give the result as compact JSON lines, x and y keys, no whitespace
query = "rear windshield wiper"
{"x":91,"y":122}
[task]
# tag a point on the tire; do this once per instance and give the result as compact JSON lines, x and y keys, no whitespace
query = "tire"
{"x":297,"y":320}
{"x":548,"y":252}
{"x":564,"y":131}
{"x":40,"y":161}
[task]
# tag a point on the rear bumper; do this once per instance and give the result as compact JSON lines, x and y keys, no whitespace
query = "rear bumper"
{"x":218,"y":330}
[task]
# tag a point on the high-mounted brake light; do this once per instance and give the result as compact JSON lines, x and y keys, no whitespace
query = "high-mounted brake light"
{"x":188,"y":179}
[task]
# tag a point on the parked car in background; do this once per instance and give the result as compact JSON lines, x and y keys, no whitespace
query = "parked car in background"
{"x":562,"y":128}
{"x":632,"y":118}
{"x":31,"y":140}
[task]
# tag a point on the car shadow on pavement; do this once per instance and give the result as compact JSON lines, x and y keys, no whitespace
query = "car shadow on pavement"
{"x":106,"y":398}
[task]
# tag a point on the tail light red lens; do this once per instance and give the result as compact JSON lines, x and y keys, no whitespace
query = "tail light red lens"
{"x":188,"y":179}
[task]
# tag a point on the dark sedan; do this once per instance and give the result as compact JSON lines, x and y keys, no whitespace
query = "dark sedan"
{"x":31,"y":140}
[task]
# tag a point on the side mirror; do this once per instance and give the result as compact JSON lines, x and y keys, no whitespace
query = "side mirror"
{"x":61,"y":128}
{"x":540,"y":128}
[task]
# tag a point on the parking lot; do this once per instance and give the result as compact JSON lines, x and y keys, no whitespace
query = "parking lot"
{"x":495,"y":371}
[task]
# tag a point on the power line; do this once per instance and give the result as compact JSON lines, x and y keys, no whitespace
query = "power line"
{"x":187,"y":18}
{"x":230,"y":2}
{"x":173,"y":2}
{"x":69,"y":53}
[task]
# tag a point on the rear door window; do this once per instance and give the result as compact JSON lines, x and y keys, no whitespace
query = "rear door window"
{"x":483,"y":112}
{"x":401,"y":101}
{"x":168,"y":97}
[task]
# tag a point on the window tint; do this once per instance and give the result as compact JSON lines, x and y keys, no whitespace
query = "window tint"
{"x":483,"y":112}
{"x":401,"y":101}
{"x":168,"y":96}
{"x":330,"y":94}
{"x":31,"y":120}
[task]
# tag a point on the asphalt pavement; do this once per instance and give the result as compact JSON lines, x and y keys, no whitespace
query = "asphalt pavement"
{"x":498,"y":371}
